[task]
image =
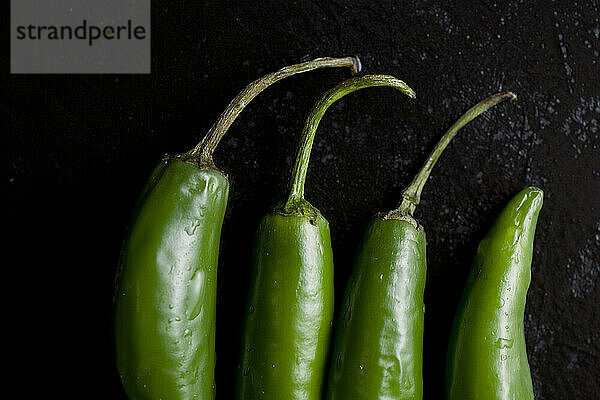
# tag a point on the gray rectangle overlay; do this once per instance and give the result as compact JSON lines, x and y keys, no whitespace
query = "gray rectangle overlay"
{"x":80,"y":36}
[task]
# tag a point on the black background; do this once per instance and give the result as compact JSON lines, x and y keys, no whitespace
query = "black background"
{"x":80,"y":148}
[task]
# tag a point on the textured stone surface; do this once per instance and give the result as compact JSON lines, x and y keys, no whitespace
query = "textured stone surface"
{"x":81,"y":147}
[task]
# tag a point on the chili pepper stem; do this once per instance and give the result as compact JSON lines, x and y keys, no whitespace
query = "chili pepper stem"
{"x":411,"y":195}
{"x":202,"y":154}
{"x":295,"y":203}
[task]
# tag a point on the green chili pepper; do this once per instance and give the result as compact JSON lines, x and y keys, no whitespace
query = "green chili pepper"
{"x":378,"y":350}
{"x":290,"y":308}
{"x":165,"y":299}
{"x":487,"y":357}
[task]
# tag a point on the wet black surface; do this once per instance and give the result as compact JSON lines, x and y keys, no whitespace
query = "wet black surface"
{"x":81,"y":147}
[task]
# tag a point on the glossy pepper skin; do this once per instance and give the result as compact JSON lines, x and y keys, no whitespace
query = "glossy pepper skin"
{"x":378,"y":349}
{"x":290,"y":308}
{"x":487,"y":356}
{"x":164,"y":308}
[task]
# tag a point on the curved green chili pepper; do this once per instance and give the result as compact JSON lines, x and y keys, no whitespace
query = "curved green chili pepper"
{"x":487,"y":357}
{"x":165,"y":301}
{"x":290,"y":309}
{"x":378,"y":350}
